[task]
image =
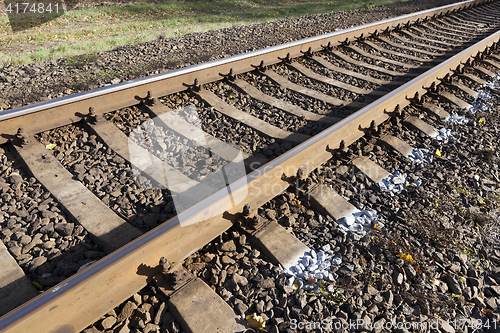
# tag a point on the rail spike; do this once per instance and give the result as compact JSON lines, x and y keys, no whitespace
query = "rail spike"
{"x":458,"y":70}
{"x":446,"y":79}
{"x":195,"y":87}
{"x":469,"y":63}
{"x":372,"y":131}
{"x":22,"y":136}
{"x":328,"y":47}
{"x":415,"y":100}
{"x":92,"y":116}
{"x":308,"y":54}
{"x":260,"y":67}
{"x":250,"y":221}
{"x":346,"y":42}
{"x":177,"y":277}
{"x":287,"y":59}
{"x":431,"y":88}
{"x":229,"y":76}
{"x":360,"y":38}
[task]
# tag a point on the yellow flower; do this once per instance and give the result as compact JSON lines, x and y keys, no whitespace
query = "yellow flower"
{"x":256,"y":322}
{"x":405,"y":257}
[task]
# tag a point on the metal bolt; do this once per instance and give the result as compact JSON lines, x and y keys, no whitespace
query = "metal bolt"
{"x":300,"y":173}
{"x":246,"y":210}
{"x":23,"y":136}
{"x":255,"y":220}
{"x":397,"y":110}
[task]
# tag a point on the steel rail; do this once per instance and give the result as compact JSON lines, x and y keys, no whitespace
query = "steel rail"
{"x":65,"y":110}
{"x":85,"y":297}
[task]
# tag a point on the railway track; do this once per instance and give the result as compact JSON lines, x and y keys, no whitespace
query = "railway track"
{"x":159,"y":167}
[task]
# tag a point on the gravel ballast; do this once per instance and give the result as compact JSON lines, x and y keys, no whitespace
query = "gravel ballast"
{"x":42,"y":81}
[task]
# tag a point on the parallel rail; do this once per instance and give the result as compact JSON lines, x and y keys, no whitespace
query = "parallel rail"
{"x":66,"y":110}
{"x":86,"y":296}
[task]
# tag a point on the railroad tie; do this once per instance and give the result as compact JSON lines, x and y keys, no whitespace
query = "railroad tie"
{"x":483,"y":17}
{"x":402,"y":55}
{"x":249,"y":120}
{"x":491,"y":63}
{"x":285,"y":83}
{"x":187,"y":190}
{"x":434,"y":109}
{"x":455,"y":32}
{"x":107,"y":228}
{"x":473,"y":78}
{"x":485,"y":71}
{"x":312,"y":75}
{"x":406,"y":40}
{"x":465,"y":27}
{"x":282,"y":105}
{"x":494,"y":57}
{"x":188,"y":131}
{"x":357,"y":75}
{"x":382,"y":59}
{"x":348,"y":59}
{"x":420,"y":125}
{"x":329,"y":202}
{"x":404,"y":46}
{"x":199,"y":309}
{"x":460,"y":22}
{"x":464,"y":88}
{"x":279,"y":245}
{"x":447,"y":41}
{"x":455,"y":100}
{"x":371,"y":169}
{"x":397,"y":144}
{"x":15,"y":287}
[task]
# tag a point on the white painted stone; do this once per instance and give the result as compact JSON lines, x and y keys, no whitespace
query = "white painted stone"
{"x":456,"y":119}
{"x":336,"y":261}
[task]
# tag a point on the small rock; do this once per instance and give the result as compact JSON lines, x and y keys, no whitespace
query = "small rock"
{"x":228,"y":246}
{"x":64,"y":229}
{"x":479,"y":302}
{"x":108,"y":322}
{"x":240,"y":280}
{"x":127,"y":311}
{"x":37,"y":262}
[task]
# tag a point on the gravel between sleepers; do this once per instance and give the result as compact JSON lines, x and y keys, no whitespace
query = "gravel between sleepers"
{"x":146,"y":312}
{"x":109,"y":176}
{"x":45,"y":243}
